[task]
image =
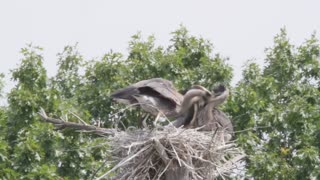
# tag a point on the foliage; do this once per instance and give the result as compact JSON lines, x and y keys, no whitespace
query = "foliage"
{"x":33,"y":150}
{"x":281,"y":104}
{"x":275,"y":108}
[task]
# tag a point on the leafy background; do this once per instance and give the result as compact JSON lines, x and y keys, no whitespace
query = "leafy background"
{"x":274,"y":108}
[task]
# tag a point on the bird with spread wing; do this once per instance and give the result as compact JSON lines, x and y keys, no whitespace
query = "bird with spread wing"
{"x":197,"y":108}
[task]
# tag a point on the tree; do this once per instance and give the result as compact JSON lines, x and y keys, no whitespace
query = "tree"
{"x":275,"y":108}
{"x":4,"y":147}
{"x":25,"y":135}
{"x":33,"y":150}
{"x":281,"y":104}
{"x":68,"y":78}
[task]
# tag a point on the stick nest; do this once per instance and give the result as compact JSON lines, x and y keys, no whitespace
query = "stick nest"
{"x":149,"y":154}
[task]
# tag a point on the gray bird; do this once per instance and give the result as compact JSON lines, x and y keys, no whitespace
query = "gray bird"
{"x":199,"y":109}
{"x":156,"y":96}
{"x":212,"y":117}
{"x":193,"y":100}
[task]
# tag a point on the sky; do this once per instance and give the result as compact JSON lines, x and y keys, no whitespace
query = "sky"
{"x":239,"y":30}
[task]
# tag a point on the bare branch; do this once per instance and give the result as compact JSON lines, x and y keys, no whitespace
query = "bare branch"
{"x":60,"y":124}
{"x":161,"y":150}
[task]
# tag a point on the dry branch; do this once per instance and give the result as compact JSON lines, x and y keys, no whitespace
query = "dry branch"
{"x":172,"y":150}
{"x":60,"y":124}
{"x":164,"y":152}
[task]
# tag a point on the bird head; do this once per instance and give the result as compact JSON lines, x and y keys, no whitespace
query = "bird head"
{"x":219,"y":90}
{"x":207,"y":92}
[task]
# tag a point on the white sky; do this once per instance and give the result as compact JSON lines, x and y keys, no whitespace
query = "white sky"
{"x":240,"y":30}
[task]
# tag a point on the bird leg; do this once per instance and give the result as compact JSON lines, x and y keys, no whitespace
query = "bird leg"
{"x":194,"y":117}
{"x":157,"y":118}
{"x":144,"y":121}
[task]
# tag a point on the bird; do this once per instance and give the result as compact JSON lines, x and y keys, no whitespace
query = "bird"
{"x":156,"y":96}
{"x":196,"y":108}
{"x":199,"y":109}
{"x":211,"y":117}
{"x":196,"y":96}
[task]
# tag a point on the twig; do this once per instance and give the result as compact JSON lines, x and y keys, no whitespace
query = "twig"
{"x":95,"y":172}
{"x":224,"y":147}
{"x":124,"y":161}
{"x":79,"y":118}
{"x":165,"y":169}
{"x":252,"y":129}
{"x":175,"y":152}
{"x":161,"y":150}
{"x":63,"y":124}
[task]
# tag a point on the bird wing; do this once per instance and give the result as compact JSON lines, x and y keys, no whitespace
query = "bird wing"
{"x":166,"y":89}
{"x":154,"y":87}
{"x":223,"y":120}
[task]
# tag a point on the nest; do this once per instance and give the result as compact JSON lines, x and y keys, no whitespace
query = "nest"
{"x":155,"y":153}
{"x":165,"y":152}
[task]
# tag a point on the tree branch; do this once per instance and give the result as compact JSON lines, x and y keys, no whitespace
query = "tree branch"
{"x":60,"y":124}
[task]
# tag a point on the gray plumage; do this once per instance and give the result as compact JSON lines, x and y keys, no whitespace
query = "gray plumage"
{"x":153,"y":95}
{"x":202,"y":111}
